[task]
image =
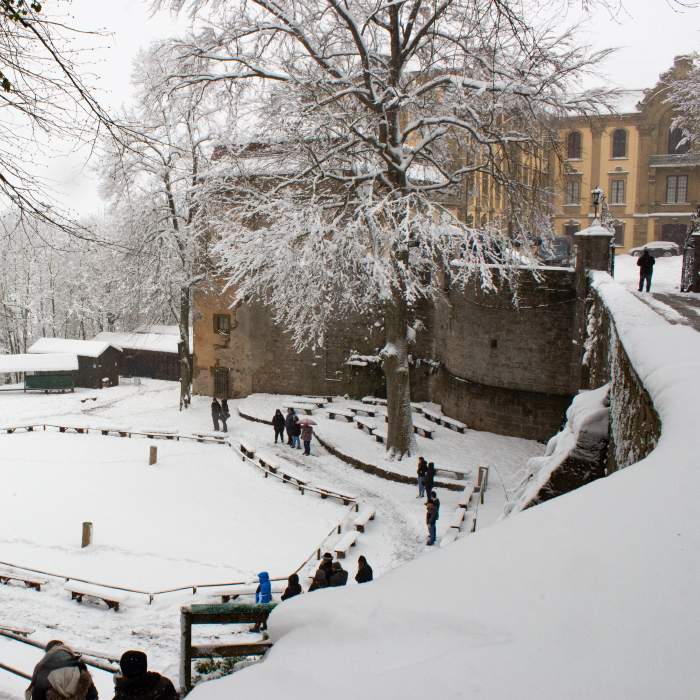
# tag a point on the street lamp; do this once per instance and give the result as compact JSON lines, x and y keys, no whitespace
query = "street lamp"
{"x":597,"y":193}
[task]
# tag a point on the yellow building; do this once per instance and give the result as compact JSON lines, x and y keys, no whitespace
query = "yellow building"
{"x":651,"y":182}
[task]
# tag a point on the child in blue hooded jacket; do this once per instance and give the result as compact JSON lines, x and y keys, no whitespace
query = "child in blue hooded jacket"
{"x":263,"y":593}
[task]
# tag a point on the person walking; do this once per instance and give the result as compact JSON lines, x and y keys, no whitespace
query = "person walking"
{"x":296,"y":432}
{"x":215,"y":413}
{"x":364,"y":570}
{"x":61,"y":674}
{"x":318,"y":582}
{"x":306,"y":434}
{"x":263,"y":594}
{"x":278,"y":425}
{"x":225,"y":415}
{"x":431,"y":520}
{"x":293,"y":588}
{"x":289,"y":424}
{"x":136,"y":682}
{"x":646,"y":269}
{"x":429,"y":479}
{"x":422,"y":470}
{"x":339,"y":577}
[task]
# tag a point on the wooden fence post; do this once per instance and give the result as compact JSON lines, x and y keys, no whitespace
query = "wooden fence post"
{"x":185,"y":650}
{"x":153,"y":455}
{"x":87,"y":535}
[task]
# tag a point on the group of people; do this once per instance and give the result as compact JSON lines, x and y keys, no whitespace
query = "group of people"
{"x":220,"y":412}
{"x":426,"y":481}
{"x":331,"y":573}
{"x":298,"y":431}
{"x":61,"y":675}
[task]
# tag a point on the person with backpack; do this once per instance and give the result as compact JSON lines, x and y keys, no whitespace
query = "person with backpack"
{"x":136,"y":682}
{"x":422,"y":470}
{"x":215,"y":413}
{"x":364,"y":571}
{"x":431,"y":520}
{"x":225,"y":415}
{"x":278,"y":425}
{"x":646,"y":269}
{"x":293,"y":588}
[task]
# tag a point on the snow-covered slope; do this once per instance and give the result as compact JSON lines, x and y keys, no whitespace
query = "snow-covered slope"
{"x":589,"y":595}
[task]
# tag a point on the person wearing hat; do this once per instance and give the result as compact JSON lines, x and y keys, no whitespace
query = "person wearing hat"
{"x":339,"y":577}
{"x":327,"y":565}
{"x":136,"y":682}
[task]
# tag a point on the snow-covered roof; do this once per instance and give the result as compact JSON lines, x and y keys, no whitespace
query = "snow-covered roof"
{"x":165,"y":330}
{"x":155,"y":342}
{"x":86,"y":348}
{"x":57,"y":362}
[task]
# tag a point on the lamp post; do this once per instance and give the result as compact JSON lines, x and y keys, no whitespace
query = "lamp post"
{"x":596,"y":193}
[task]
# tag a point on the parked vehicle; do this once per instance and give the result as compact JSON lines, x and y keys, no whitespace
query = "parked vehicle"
{"x":657,"y":249}
{"x":556,"y":252}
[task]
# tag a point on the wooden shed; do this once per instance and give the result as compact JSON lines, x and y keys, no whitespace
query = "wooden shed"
{"x":150,"y":355}
{"x":97,"y":361}
{"x":46,"y":373}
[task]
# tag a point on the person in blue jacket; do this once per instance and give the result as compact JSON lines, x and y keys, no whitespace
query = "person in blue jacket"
{"x":263,"y":594}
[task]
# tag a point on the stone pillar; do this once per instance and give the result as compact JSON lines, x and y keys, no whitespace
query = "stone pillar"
{"x":593,"y":253}
{"x":695,"y":286}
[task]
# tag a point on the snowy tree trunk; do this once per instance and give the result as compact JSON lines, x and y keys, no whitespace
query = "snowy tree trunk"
{"x":400,"y":440}
{"x":185,"y":369}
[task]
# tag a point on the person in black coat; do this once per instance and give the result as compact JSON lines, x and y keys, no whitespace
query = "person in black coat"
{"x":364,"y":570}
{"x":339,"y":577}
{"x":225,"y":415}
{"x":422,"y":470}
{"x":138,"y":683}
{"x":289,"y":424}
{"x":278,"y":425}
{"x":429,"y":479}
{"x":646,"y":268}
{"x":326,"y":565}
{"x":293,"y":588}
{"x":215,"y":413}
{"x":318,"y":582}
{"x":431,"y":520}
{"x":432,"y":498}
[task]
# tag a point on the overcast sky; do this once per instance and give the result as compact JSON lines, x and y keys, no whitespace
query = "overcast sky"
{"x":649,"y":33}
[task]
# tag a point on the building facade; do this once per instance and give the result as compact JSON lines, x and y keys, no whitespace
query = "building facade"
{"x":650,"y":179}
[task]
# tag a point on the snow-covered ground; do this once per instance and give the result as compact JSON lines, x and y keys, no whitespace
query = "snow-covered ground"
{"x":666,"y":277}
{"x":199,"y":515}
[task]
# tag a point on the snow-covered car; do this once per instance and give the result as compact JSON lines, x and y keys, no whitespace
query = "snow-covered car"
{"x":657,"y":249}
{"x":556,"y":252}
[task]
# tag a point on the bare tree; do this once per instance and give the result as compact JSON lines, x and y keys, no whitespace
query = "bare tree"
{"x":154,"y":176}
{"x":368,"y":122}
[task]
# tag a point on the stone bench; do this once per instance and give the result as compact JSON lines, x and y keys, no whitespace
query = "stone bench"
{"x":369,"y":409}
{"x":466,"y":497}
{"x":312,"y":401}
{"x":367,"y":423}
{"x":326,"y":398}
{"x":457,"y":518}
{"x":372,"y":400}
{"x":363,"y":518}
{"x":307,"y":408}
{"x":459,"y":474}
{"x":350,"y":415}
{"x":347,"y":541}
{"x":326,"y":490}
{"x":28,"y":581}
{"x":210,"y":436}
{"x":432,"y":415}
{"x":113,"y":598}
{"x":157,"y":433}
{"x":12,"y":428}
{"x":380,"y":435}
{"x":453,"y":424}
{"x":269,"y":463}
{"x":247,"y":449}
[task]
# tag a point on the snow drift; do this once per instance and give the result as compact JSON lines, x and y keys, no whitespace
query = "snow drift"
{"x":590,"y":595}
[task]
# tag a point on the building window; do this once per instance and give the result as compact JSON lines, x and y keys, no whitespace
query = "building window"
{"x":619,"y":144}
{"x":573,"y":192}
{"x":617,"y":192}
{"x":570,"y":230}
{"x":676,"y":189}
{"x":573,"y":145}
{"x":619,"y":235}
{"x":222,"y":323}
{"x":675,"y":136}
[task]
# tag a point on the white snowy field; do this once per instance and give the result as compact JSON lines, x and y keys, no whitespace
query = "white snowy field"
{"x":220,"y":493}
{"x":666,"y":278}
{"x":589,"y":596}
{"x":197,"y":516}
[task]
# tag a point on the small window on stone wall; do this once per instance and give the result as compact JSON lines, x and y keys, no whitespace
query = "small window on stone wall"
{"x":222,"y":323}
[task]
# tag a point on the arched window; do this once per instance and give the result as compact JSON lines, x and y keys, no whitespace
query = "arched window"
{"x":573,"y":145}
{"x":675,"y":136}
{"x":619,"y":144}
